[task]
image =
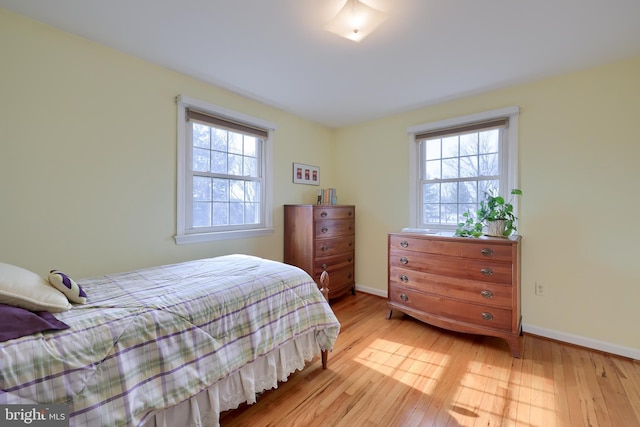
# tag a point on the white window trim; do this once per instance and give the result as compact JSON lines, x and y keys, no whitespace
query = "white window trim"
{"x":182,"y":237}
{"x":511,"y":153}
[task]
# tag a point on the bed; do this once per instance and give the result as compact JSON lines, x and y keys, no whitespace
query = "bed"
{"x":172,"y":345}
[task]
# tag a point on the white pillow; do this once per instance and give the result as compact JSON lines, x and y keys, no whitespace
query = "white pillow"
{"x":25,"y":289}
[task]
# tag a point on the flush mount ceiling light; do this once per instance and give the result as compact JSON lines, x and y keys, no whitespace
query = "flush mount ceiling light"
{"x":356,"y":20}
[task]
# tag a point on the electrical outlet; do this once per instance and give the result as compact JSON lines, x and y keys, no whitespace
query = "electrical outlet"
{"x":540,"y":288}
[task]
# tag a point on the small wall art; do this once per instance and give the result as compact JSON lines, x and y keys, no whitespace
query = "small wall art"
{"x":306,"y":174}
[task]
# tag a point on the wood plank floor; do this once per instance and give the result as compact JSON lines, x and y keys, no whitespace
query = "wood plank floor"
{"x":401,"y":372}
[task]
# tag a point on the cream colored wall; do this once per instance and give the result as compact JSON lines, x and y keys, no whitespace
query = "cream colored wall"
{"x":88,"y":156}
{"x":579,"y":149}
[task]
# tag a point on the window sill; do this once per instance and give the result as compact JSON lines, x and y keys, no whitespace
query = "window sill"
{"x":221,"y":235}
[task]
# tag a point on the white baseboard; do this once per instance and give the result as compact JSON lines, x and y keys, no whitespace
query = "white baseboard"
{"x":607,"y":347}
{"x":372,"y":291}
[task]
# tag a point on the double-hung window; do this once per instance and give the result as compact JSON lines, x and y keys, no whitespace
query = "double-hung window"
{"x":224,"y":170}
{"x":454,"y":162}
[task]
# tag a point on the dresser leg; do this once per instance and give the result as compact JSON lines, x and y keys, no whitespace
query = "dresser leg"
{"x":389,"y":313}
{"x":515,"y":344}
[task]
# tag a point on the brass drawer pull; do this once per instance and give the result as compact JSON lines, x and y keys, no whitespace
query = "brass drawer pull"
{"x":324,"y":266}
{"x":323,"y":214}
{"x":487,"y":316}
{"x":404,"y":244}
{"x":324,"y":248}
{"x":404,"y":260}
{"x":350,"y":259}
{"x":487,"y":294}
{"x":487,"y":251}
{"x":404,"y":297}
{"x":487,"y":272}
{"x":404,"y":278}
{"x":350,"y":213}
{"x":349,"y":276}
{"x":324,"y":229}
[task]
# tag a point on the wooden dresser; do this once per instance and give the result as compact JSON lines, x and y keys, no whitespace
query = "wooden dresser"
{"x":321,"y":238}
{"x":462,"y":284}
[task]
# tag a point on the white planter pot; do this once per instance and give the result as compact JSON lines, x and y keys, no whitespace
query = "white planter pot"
{"x":496,"y":228}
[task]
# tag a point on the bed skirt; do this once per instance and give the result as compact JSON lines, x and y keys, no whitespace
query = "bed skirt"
{"x":203,"y":409}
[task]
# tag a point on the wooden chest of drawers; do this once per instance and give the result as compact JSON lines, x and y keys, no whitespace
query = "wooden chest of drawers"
{"x":321,"y":238}
{"x":462,"y":284}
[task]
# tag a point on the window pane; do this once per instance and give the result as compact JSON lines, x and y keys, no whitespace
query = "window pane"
{"x":469,"y":144}
{"x":488,"y":165}
{"x":468,"y":167}
{"x":200,"y":160}
{"x":201,"y":189}
{"x":236,"y":213}
{"x":449,"y":192}
{"x":433,"y":149}
{"x":252,"y":191}
{"x":201,"y":214}
{"x":218,"y":162}
{"x":433,"y":169}
{"x":201,"y":136}
{"x":220,"y":214}
{"x":235,"y":143}
{"x":236,"y":190}
{"x":431,"y":193}
{"x":220,"y":190}
{"x":450,"y":214}
{"x":450,"y":168}
{"x":251,"y":213}
{"x":468,"y":192}
{"x":235,"y":165}
{"x":219,"y":139}
{"x":431,"y":213}
{"x":250,"y":166}
{"x":489,"y":141}
{"x":450,"y":147}
{"x":250,"y":146}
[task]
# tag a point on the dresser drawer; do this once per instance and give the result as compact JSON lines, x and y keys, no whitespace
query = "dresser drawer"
{"x":334,"y":212}
{"x":334,"y":228}
{"x":333,"y":263}
{"x":497,"y":295}
{"x":339,"y":279}
{"x":477,"y":314}
{"x":328,"y":247}
{"x":477,"y":249}
{"x":452,"y":266}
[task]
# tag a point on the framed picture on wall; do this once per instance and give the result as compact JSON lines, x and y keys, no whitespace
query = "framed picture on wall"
{"x":306,"y":174}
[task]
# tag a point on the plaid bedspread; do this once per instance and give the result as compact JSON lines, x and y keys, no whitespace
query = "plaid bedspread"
{"x":151,"y":338}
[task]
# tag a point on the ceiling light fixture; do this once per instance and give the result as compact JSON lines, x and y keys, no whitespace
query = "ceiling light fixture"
{"x":356,"y":20}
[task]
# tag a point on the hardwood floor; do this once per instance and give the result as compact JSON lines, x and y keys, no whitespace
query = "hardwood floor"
{"x":401,"y":372}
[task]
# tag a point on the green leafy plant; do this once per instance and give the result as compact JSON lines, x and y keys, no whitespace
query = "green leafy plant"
{"x":493,"y":208}
{"x":469,"y":228}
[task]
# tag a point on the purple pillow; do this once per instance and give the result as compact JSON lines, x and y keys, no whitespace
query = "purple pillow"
{"x":16,"y":322}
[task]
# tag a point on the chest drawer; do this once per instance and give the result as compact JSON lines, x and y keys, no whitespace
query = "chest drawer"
{"x":481,"y":315}
{"x":333,"y":263}
{"x":464,"y":268}
{"x":485,"y":250}
{"x":334,"y":212}
{"x":498,"y":295}
{"x":328,"y":247}
{"x":334,"y":228}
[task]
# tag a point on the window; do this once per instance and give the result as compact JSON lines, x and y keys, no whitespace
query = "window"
{"x":224,"y":173}
{"x":453,"y":162}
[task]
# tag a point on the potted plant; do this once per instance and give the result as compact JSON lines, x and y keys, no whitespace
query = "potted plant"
{"x":495,"y":213}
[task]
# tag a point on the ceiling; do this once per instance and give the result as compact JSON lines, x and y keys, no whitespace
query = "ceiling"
{"x":427,"y":52}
